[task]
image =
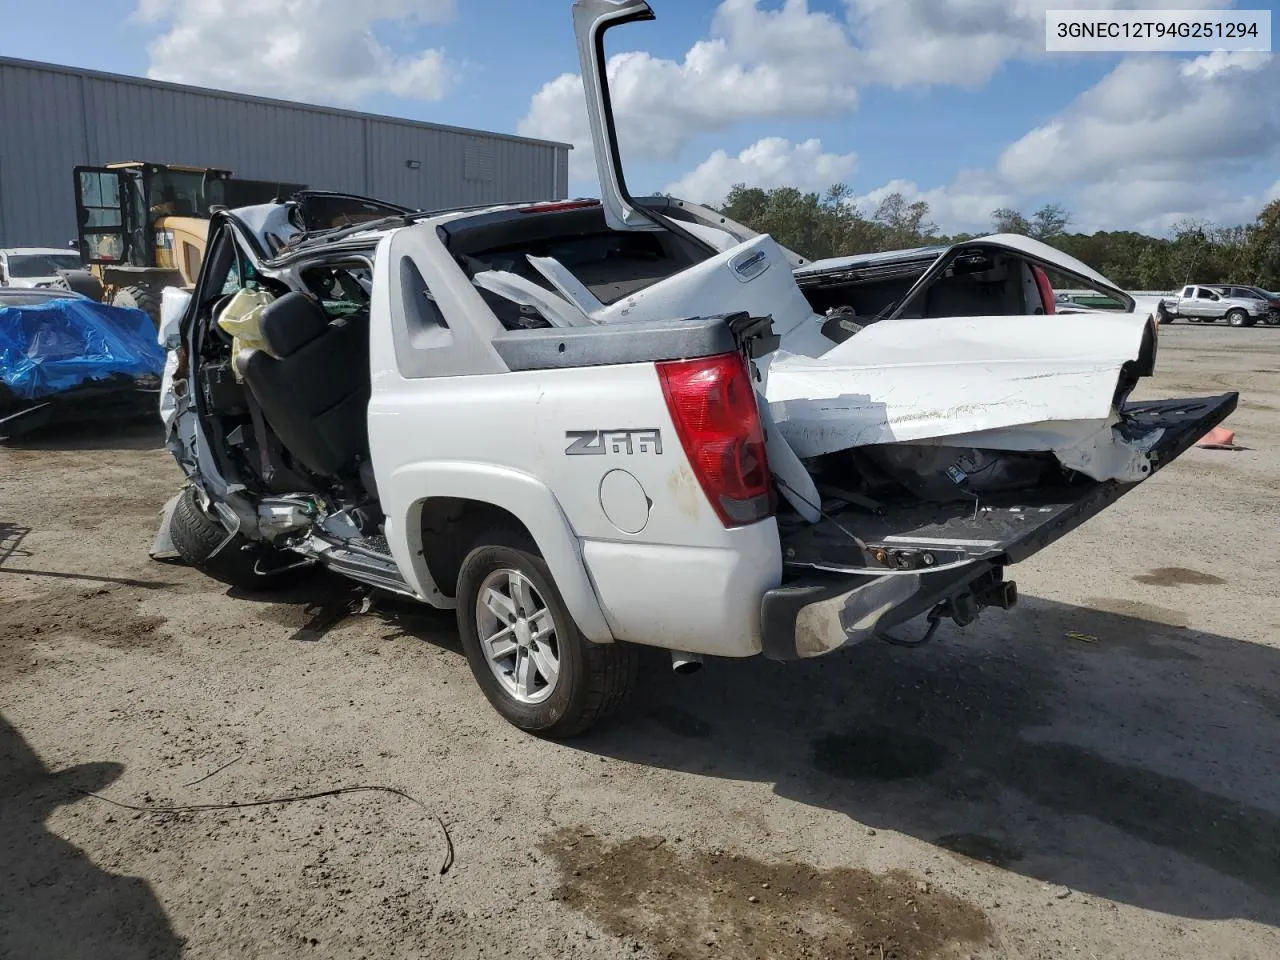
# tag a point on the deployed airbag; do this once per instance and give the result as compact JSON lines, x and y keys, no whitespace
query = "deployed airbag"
{"x":48,"y":348}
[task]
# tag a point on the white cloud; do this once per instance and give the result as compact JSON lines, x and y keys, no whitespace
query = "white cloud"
{"x":1157,"y":117}
{"x":963,"y":205}
{"x":1146,"y":144}
{"x":759,"y":64}
{"x":1155,"y":206}
{"x":920,"y":42}
{"x":300,"y":49}
{"x":1221,"y":61}
{"x":756,"y":64}
{"x":1157,"y":140}
{"x":1153,"y":140}
{"x":791,"y":62}
{"x":771,"y":162}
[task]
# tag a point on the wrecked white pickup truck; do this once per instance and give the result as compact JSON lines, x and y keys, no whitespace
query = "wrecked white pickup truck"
{"x":592,"y":424}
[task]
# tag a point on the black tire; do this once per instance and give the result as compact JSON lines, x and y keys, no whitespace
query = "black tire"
{"x":1162,"y":315}
{"x":594,"y":679}
{"x":142,"y":297}
{"x":1238,"y":318}
{"x":196,"y":536}
{"x":82,"y":282}
{"x":1272,"y":320}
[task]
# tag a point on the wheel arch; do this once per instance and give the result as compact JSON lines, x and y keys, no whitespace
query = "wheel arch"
{"x":463,"y":499}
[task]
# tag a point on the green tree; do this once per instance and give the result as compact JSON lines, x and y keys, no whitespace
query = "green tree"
{"x":1190,"y":252}
{"x":1153,"y":268}
{"x":1049,"y":221}
{"x":1008,"y":220}
{"x":905,"y":224}
{"x":1262,"y":247}
{"x":830,"y":224}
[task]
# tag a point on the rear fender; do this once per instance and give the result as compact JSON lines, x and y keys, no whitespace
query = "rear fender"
{"x":521,"y":495}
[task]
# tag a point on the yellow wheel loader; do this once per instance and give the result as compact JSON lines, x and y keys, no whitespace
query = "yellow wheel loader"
{"x":143,"y":226}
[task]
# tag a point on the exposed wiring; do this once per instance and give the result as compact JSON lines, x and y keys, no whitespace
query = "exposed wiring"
{"x":825,"y":516}
{"x":294,"y":798}
{"x":866,"y":550}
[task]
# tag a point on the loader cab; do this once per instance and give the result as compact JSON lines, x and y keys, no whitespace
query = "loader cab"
{"x":144,"y":226}
{"x":147,"y":215}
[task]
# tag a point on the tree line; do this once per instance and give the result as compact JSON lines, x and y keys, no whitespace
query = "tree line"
{"x":832,"y":224}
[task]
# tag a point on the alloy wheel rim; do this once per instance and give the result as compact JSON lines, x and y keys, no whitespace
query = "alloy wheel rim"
{"x":518,"y":636}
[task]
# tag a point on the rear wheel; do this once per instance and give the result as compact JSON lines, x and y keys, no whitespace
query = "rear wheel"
{"x":1238,"y":318}
{"x":526,"y":653}
{"x":202,"y":542}
{"x":142,"y":297}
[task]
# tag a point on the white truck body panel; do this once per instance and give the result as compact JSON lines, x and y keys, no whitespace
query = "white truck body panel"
{"x":500,"y":438}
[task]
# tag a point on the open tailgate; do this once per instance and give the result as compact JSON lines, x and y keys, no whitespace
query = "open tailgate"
{"x":1004,"y":528}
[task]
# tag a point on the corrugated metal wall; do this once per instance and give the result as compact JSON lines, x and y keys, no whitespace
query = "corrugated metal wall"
{"x":53,"y":118}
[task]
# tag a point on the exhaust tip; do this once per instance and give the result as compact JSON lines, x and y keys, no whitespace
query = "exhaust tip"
{"x":685,"y":663}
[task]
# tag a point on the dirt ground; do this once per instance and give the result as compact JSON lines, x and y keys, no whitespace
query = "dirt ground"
{"x":1094,"y":775}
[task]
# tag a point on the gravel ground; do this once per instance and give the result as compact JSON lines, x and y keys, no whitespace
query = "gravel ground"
{"x":1094,"y":775}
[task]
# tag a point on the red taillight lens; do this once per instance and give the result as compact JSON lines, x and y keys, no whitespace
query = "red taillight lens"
{"x":1046,"y":290}
{"x":713,"y":406}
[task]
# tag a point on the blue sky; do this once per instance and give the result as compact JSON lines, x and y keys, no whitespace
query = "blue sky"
{"x":950,"y":101}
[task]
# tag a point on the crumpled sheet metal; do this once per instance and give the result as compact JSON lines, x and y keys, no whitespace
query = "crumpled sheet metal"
{"x":1012,"y":383}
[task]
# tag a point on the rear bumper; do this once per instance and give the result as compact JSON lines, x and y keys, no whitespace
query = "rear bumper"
{"x":818,"y":612}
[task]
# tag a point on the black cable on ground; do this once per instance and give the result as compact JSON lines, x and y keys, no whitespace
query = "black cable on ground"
{"x":294,"y":798}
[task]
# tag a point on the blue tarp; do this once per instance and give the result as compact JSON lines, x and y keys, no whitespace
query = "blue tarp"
{"x":51,"y":347}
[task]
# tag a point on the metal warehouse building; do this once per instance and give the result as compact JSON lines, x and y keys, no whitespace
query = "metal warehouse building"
{"x":53,"y":118}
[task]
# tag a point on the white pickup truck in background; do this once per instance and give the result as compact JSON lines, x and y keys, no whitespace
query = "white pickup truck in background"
{"x":1205,"y":304}
{"x":590,"y":425}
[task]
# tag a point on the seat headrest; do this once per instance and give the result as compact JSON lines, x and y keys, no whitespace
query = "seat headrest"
{"x":291,"y":322}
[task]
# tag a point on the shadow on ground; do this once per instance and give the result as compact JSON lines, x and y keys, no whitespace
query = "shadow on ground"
{"x":1132,"y":759}
{"x":1129,"y":759}
{"x":54,"y":901}
{"x":127,"y":433}
{"x":314,"y":601}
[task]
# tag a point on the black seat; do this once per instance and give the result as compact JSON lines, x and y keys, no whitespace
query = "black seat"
{"x":314,"y":391}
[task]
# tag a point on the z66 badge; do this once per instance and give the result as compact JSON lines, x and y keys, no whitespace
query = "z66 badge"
{"x":597,"y":443}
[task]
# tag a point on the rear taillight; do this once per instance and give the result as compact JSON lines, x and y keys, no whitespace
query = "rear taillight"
{"x":1046,"y":290}
{"x":713,"y":406}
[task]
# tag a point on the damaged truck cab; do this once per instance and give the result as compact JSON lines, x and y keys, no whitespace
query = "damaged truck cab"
{"x":591,"y":425}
